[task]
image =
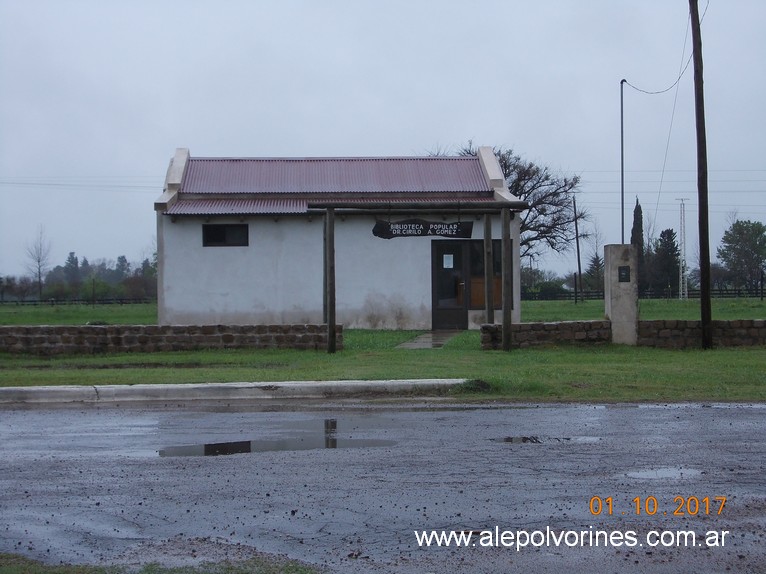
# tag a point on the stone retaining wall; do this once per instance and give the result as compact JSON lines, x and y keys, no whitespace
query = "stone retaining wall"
{"x":669,"y":334}
{"x":688,"y":334}
{"x":89,"y":339}
{"x":530,"y":334}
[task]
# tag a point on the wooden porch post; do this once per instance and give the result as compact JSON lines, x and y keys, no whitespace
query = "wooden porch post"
{"x":329,"y":272}
{"x":489,"y":272}
{"x":507,"y":278}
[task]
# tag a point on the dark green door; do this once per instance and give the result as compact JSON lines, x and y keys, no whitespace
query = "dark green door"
{"x":449,"y":285}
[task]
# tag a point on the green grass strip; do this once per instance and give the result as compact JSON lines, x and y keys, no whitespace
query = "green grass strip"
{"x":609,"y":373}
{"x":531,"y":311}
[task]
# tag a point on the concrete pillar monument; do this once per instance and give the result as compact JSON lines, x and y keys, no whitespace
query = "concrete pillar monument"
{"x":621,"y":292}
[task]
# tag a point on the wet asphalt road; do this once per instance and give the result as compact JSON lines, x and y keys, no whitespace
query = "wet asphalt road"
{"x":345,"y":485}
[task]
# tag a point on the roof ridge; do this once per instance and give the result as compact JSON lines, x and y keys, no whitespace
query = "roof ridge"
{"x":339,"y":158}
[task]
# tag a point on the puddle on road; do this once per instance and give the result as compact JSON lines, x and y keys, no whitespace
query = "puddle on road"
{"x":306,"y":441}
{"x":521,"y":439}
{"x":664,"y":473}
{"x":546,"y":440}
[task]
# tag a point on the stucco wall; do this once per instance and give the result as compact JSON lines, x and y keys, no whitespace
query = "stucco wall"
{"x":278,"y":277}
{"x":272,"y":280}
{"x":381,"y":283}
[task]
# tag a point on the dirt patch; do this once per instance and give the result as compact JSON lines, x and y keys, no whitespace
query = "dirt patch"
{"x":187,"y":365}
{"x":180,"y":551}
{"x":473,"y":386}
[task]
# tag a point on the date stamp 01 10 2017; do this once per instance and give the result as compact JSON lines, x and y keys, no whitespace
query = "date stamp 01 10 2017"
{"x":648,"y":505}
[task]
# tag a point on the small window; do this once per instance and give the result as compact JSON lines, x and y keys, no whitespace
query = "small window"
{"x":225,"y":235}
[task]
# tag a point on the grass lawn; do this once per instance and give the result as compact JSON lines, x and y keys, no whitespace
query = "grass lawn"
{"x":116,"y":314}
{"x":531,"y":311}
{"x":649,"y":309}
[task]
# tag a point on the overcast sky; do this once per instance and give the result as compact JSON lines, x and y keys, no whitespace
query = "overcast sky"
{"x":96,"y":95}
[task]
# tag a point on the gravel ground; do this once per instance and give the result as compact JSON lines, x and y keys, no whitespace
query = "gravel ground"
{"x":345,"y":485}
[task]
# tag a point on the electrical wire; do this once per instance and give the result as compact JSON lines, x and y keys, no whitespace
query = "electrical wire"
{"x":683,"y":71}
{"x":670,"y":128}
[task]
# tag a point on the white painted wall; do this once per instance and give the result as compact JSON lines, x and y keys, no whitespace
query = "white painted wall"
{"x":383,"y":283}
{"x":278,"y":278}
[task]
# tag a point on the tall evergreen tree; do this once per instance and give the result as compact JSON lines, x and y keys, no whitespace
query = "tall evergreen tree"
{"x":594,"y":275}
{"x":637,"y":240}
{"x":665,"y":264}
{"x":72,"y":274}
{"x":122,"y":268}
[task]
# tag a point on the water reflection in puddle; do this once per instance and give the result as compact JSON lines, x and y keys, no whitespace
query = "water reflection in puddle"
{"x":664,"y":473}
{"x":544,"y":440}
{"x":305,"y":441}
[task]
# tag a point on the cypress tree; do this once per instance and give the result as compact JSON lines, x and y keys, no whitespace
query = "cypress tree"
{"x":637,"y":240}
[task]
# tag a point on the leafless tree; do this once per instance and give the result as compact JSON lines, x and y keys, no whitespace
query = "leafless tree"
{"x":38,"y":254}
{"x":596,"y":241}
{"x":549,"y":221}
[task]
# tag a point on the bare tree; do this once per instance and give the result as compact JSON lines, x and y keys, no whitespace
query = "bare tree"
{"x":595,"y":240}
{"x":38,"y":253}
{"x":549,"y":221}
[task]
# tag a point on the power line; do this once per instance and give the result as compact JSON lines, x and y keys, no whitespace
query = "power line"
{"x":670,"y":128}
{"x":682,"y":72}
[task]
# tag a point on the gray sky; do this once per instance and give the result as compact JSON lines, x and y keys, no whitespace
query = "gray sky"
{"x":95,"y":96}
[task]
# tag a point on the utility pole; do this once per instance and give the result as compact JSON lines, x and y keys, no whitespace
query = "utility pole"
{"x":683,"y":283}
{"x":622,"y":165}
{"x":577,"y":242}
{"x":706,"y":314}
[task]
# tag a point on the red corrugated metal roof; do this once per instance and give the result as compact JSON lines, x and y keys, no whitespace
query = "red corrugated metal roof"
{"x":234,"y":206}
{"x":334,"y":175}
{"x":224,"y":206}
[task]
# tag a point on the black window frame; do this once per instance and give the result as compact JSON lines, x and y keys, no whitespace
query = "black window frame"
{"x":225,"y":235}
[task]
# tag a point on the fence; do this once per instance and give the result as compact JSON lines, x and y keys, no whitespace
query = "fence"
{"x":596,"y":295}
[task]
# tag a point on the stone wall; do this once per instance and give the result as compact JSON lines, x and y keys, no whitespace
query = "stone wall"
{"x":669,"y":334}
{"x":89,"y":339}
{"x":688,"y":334}
{"x":530,"y":334}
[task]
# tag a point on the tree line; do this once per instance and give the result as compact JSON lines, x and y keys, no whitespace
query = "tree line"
{"x":78,"y":278}
{"x":741,"y":258}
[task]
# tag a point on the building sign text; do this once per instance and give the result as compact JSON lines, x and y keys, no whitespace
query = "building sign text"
{"x":421,"y":227}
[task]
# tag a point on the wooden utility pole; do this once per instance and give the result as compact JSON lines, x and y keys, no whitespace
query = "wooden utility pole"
{"x":329,"y":245}
{"x":507,"y":278}
{"x":706,"y":314}
{"x":577,"y":242}
{"x":489,"y":271}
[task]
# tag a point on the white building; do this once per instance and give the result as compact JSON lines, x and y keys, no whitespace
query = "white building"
{"x":243,"y":240}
